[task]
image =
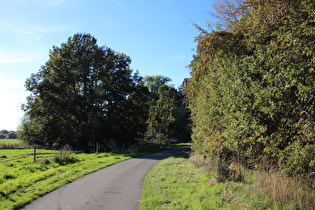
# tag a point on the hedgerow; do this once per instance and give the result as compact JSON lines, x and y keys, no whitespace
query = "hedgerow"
{"x":252,"y":88}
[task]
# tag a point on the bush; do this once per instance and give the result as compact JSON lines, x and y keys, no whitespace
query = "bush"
{"x":11,"y":135}
{"x":4,"y":132}
{"x":64,"y":156}
{"x":299,"y":160}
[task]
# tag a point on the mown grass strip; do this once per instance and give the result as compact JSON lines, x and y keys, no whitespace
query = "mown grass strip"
{"x":175,"y":184}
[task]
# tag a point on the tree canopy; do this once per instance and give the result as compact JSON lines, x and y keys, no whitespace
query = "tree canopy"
{"x":168,"y":117}
{"x":5,"y":134}
{"x":87,"y":94}
{"x":79,"y":95}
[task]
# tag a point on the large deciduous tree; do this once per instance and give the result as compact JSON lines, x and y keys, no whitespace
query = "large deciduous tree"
{"x":161,"y":105}
{"x":76,"y":95}
{"x":168,"y":116}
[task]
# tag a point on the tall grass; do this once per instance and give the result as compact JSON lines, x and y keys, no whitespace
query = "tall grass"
{"x":266,"y":189}
{"x":289,"y":193}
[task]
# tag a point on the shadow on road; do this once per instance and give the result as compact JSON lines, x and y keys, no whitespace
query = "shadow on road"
{"x":164,"y":154}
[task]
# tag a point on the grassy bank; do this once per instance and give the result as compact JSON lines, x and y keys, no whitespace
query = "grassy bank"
{"x":177,"y":183}
{"x":22,"y":181}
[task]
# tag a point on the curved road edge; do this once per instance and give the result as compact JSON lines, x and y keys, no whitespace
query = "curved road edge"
{"x":115,"y":187}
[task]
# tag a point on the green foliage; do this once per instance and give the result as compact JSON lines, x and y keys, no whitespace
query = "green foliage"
{"x":299,"y":159}
{"x":168,"y":115}
{"x":12,"y":135}
{"x":84,"y":94}
{"x":252,"y":88}
{"x":4,"y":134}
{"x":161,"y":104}
{"x":64,"y":157}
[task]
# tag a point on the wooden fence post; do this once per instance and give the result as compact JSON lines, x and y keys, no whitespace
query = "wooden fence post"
{"x":34,"y":153}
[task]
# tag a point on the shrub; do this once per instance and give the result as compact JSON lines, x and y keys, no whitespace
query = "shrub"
{"x":299,"y":160}
{"x":44,"y":161}
{"x":64,"y":156}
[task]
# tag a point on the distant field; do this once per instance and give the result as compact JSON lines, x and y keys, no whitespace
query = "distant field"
{"x":10,"y":141}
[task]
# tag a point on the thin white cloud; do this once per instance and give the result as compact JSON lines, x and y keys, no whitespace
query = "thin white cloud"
{"x":25,"y":33}
{"x":44,"y":7}
{"x":15,"y":57}
{"x":45,"y":29}
{"x":18,"y":26}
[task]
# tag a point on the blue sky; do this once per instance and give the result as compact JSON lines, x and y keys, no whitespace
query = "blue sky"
{"x":156,"y":34}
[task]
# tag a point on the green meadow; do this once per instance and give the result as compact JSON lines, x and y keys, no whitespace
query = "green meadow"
{"x":13,"y":144}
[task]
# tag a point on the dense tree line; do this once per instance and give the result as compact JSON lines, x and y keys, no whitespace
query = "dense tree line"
{"x":87,"y":94}
{"x":168,"y":115}
{"x":252,"y":87}
{"x":5,"y":134}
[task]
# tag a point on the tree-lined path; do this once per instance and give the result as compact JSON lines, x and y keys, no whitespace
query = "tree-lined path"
{"x":116,"y":187}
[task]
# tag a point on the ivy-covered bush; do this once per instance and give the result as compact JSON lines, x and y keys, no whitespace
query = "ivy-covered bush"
{"x":252,"y":88}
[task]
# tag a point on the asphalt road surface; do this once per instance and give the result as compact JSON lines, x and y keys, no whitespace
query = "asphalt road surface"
{"x":115,"y":187}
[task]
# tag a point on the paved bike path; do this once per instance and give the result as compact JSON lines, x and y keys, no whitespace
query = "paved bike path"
{"x":115,"y":187}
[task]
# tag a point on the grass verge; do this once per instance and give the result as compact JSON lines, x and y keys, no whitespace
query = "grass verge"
{"x":178,"y":183}
{"x":22,"y":181}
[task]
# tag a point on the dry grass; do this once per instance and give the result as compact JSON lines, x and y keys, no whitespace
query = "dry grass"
{"x":271,"y":189}
{"x":202,"y":161}
{"x":292,"y":192}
